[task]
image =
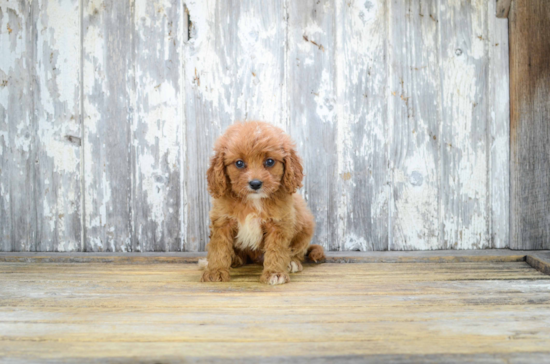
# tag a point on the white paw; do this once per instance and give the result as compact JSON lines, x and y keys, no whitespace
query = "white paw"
{"x":294,"y":267}
{"x":203,"y":263}
{"x":277,"y":279}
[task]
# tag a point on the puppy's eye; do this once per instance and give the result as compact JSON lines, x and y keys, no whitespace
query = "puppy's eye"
{"x":269,"y":162}
{"x":239,"y":164}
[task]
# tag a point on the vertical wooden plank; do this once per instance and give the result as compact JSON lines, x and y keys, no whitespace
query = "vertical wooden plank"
{"x":205,"y":117}
{"x":361,"y":83}
{"x":17,"y":130}
{"x":156,"y":126}
{"x":108,"y":114}
{"x":233,"y":71}
{"x":415,"y":118}
{"x":498,"y":115}
{"x":5,"y":153}
{"x":312,"y":108}
{"x":464,"y":209}
{"x":530,"y":125}
{"x":57,"y":113}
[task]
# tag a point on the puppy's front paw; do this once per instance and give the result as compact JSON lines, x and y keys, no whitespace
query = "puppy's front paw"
{"x":295,"y":266}
{"x":274,"y":278}
{"x":215,"y":275}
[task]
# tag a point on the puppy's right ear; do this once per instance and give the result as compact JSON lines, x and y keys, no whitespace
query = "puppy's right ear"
{"x":218,"y":182}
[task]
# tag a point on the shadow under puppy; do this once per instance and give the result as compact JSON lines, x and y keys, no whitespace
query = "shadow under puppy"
{"x":256,"y":215}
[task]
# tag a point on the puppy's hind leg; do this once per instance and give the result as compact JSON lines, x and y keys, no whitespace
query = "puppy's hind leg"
{"x":298,"y":249}
{"x":301,"y":250}
{"x":239,"y":259}
{"x":316,"y":253}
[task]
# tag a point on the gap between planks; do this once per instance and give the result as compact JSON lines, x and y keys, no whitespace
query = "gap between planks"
{"x":540,"y":260}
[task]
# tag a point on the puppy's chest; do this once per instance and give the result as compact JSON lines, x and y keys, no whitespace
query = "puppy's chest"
{"x":250,"y":232}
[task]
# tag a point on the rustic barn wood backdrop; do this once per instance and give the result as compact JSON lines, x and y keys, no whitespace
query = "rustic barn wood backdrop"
{"x":109,"y":109}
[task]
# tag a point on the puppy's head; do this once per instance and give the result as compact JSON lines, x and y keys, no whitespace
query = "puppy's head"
{"x":254,"y":160}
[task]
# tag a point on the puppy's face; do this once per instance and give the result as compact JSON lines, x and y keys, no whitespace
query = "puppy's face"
{"x":254,"y":173}
{"x":254,"y":160}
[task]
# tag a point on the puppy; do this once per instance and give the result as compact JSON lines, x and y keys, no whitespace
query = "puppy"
{"x":256,"y":215}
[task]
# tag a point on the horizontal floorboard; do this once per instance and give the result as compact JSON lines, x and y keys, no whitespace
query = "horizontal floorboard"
{"x":475,"y":309}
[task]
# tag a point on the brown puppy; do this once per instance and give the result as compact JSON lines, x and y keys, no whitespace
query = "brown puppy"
{"x":256,"y":215}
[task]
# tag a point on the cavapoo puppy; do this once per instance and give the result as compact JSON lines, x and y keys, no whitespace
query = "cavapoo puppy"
{"x":256,"y":215}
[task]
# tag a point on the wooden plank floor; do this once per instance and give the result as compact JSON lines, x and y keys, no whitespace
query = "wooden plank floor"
{"x":394,"y":312}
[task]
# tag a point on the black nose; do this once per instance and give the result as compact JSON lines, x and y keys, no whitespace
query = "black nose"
{"x":255,"y":184}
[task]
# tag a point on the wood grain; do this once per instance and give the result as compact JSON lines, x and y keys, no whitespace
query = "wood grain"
{"x":529,"y":125}
{"x":540,"y":261}
{"x":503,"y":8}
{"x":498,"y":136}
{"x":62,"y":311}
{"x":281,"y":352}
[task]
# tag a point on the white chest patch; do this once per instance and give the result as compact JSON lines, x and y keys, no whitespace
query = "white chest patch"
{"x":250,"y":233}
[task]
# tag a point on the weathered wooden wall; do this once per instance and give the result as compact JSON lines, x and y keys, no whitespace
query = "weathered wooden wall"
{"x":109,"y":109}
{"x":530,"y":124}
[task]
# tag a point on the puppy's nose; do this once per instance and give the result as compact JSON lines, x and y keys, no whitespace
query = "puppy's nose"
{"x":255,"y":184}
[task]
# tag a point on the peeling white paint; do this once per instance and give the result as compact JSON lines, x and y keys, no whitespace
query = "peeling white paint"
{"x":353,"y":242}
{"x":361,"y":79}
{"x":324,"y":98}
{"x":391,"y":127}
{"x":467,"y":176}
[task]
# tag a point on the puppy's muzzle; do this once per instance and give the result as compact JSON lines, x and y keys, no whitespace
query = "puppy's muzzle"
{"x":255,"y":184}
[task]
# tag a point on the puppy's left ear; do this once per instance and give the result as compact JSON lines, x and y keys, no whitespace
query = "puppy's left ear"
{"x":294,"y":173}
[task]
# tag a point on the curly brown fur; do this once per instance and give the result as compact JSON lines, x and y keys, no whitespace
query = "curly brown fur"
{"x":271,"y":225}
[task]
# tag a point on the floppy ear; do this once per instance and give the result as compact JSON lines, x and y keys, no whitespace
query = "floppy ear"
{"x":294,"y":173}
{"x":218,"y":182}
